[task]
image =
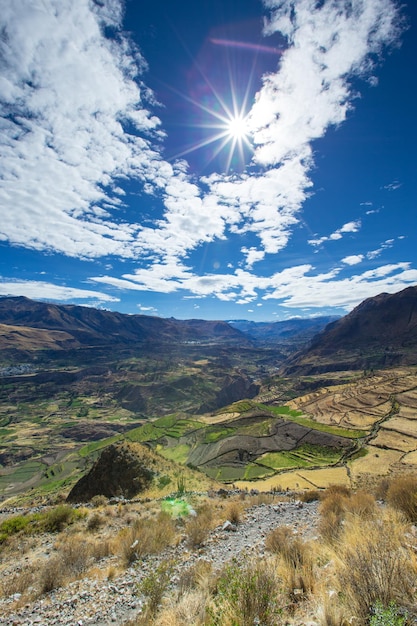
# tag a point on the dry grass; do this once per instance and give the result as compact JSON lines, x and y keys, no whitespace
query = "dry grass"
{"x":191,"y":608}
{"x":145,"y":537}
{"x":376,"y":565}
{"x":247,"y":594}
{"x":72,"y":559}
{"x":20,"y":582}
{"x":402,"y":495}
{"x":197,"y":528}
{"x":233,"y":512}
{"x":296,"y":566}
{"x":339,"y":502}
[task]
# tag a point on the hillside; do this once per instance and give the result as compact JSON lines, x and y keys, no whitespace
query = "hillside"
{"x":381,"y":332}
{"x":93,"y":327}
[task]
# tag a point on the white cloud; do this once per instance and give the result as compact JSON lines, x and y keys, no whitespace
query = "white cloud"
{"x":349,"y":227}
{"x":48,"y":291}
{"x":354,"y":259}
{"x":392,"y":186}
{"x":373,"y":254}
{"x":147,"y":309}
{"x":69,"y":94}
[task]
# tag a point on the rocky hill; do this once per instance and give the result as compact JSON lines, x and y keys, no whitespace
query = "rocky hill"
{"x":86,"y":326}
{"x":380,"y":332}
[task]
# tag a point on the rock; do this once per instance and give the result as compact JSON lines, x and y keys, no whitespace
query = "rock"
{"x":121,"y":470}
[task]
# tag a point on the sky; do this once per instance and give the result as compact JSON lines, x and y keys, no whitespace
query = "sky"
{"x":219,"y":159}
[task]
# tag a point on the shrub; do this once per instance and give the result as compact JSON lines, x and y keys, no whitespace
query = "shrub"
{"x":247,"y":595}
{"x":145,"y":537}
{"x":198,"y":528}
{"x":402,"y":495}
{"x":56,"y":519}
{"x":375,"y":566}
{"x":386,"y":616}
{"x":154,"y":586}
{"x":97,"y":501}
{"x":95,"y":521}
{"x":12,"y":526}
{"x":296,"y":561}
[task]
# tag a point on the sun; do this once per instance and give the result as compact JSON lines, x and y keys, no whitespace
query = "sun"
{"x":237,"y":128}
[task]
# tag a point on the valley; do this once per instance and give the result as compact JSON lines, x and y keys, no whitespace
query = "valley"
{"x":226,"y":402}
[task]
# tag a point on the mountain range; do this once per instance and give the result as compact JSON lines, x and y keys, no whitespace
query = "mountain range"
{"x":380,"y":332}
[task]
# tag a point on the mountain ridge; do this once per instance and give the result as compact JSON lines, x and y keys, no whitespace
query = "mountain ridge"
{"x":380,"y":332}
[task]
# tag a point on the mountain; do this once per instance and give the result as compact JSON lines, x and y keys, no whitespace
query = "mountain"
{"x":279,"y":332}
{"x":85,"y":326}
{"x":380,"y":332}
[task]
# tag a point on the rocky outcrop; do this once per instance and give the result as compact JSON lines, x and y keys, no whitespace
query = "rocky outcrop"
{"x":122,"y":469}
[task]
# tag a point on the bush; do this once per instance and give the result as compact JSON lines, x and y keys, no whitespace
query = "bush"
{"x":402,"y":495}
{"x":97,"y":501}
{"x":146,"y":537}
{"x":12,"y":526}
{"x":95,"y":521}
{"x":376,"y":565}
{"x":296,"y":561}
{"x":154,"y":586}
{"x":386,"y":616}
{"x":247,"y":595}
{"x":56,"y":519}
{"x":198,"y":528}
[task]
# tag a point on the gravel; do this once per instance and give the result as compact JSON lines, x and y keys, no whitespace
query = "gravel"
{"x":90,"y":601}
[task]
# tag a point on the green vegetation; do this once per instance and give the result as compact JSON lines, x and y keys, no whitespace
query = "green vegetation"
{"x":94,"y":446}
{"x":387,"y":616}
{"x":179,"y":453}
{"x":253,"y":471}
{"x":51,"y":520}
{"x":306,"y":455}
{"x":325,"y":428}
{"x":216,"y":433}
{"x":281,"y":410}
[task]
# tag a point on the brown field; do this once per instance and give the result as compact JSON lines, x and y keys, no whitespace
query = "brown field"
{"x":394,"y":440}
{"x":402,"y":425}
{"x":366,"y":401}
{"x":299,"y":479}
{"x":377,"y":461}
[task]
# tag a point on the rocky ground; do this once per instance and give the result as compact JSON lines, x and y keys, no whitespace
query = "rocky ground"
{"x":101,"y":602}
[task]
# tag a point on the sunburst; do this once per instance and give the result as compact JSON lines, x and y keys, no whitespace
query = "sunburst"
{"x":227,"y":126}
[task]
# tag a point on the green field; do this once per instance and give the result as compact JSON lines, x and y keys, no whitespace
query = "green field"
{"x":306,"y":455}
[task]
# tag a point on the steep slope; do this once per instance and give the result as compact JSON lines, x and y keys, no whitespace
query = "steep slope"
{"x":380,"y":332}
{"x":93,"y":327}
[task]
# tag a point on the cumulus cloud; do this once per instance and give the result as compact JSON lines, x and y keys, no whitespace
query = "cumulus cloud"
{"x":67,"y":95}
{"x":354,"y":259}
{"x":297,"y":286}
{"x":77,"y":122}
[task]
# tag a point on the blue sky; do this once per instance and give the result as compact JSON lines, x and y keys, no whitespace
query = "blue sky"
{"x":218,"y":159}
